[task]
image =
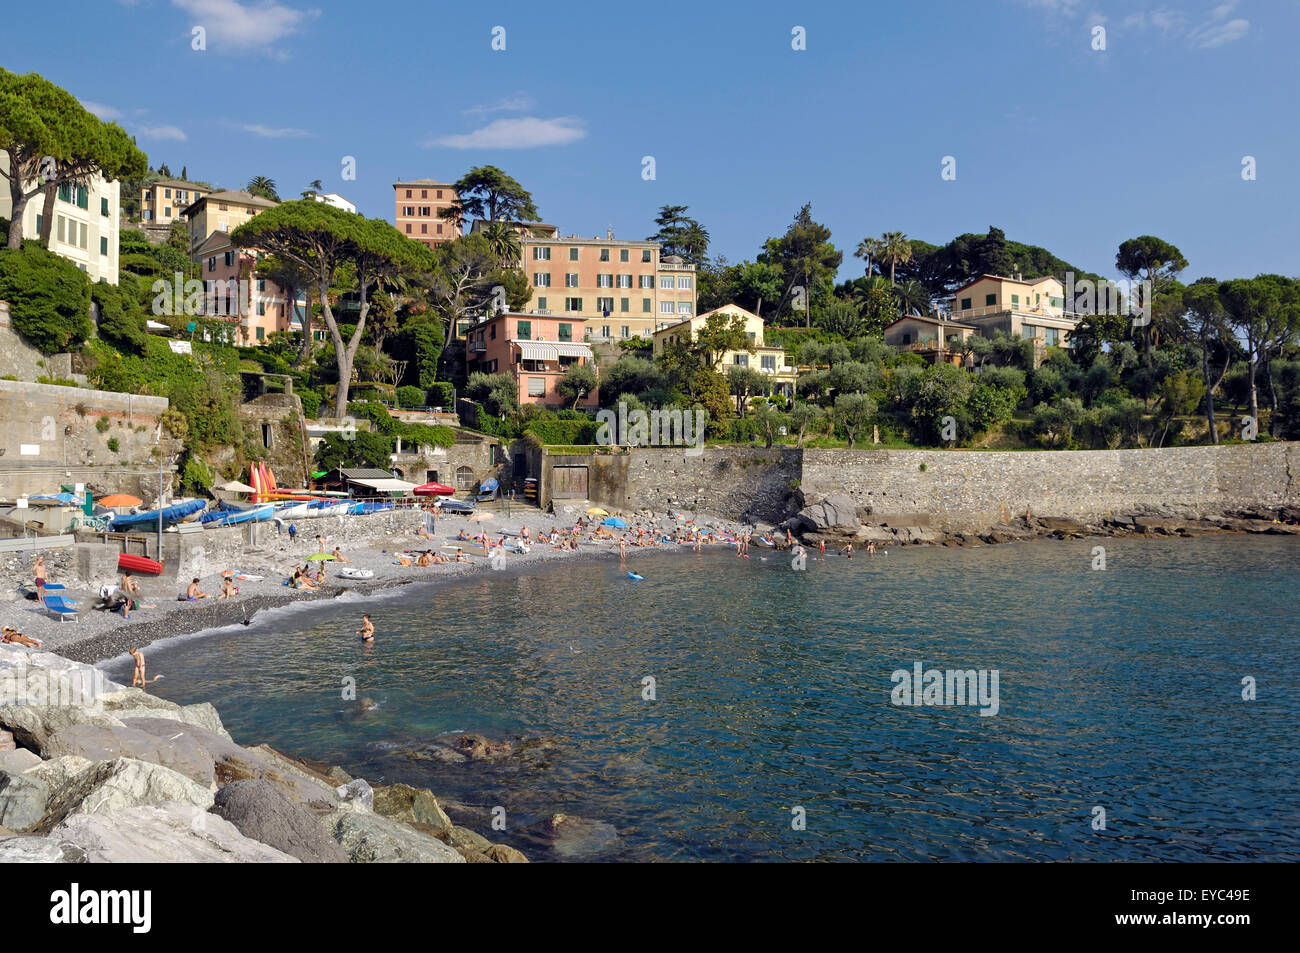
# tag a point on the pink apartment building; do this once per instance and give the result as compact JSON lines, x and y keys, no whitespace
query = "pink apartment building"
{"x":255,"y":307}
{"x":419,"y":204}
{"x":537,"y":349}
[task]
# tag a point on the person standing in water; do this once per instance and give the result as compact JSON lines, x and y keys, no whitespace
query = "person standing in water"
{"x":137,"y":678}
{"x":367,"y":630}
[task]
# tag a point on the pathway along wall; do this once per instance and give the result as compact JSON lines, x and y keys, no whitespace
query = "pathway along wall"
{"x":961,"y":490}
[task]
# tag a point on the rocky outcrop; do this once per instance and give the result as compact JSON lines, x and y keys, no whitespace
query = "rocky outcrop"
{"x":34,"y":725}
{"x":39,"y":850}
{"x":401,"y":802}
{"x":835,"y":514}
{"x":163,"y":833}
{"x":261,"y":811}
{"x":22,"y":801}
{"x":122,"y":783}
{"x":180,"y":752}
{"x":370,"y":838}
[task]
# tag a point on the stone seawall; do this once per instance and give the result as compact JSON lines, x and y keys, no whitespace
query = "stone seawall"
{"x":956,"y":490}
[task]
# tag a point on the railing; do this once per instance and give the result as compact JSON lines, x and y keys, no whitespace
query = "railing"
{"x":1038,"y":311}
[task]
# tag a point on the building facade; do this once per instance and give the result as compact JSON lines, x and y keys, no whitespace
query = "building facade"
{"x":338,"y":201}
{"x":166,"y":200}
{"x":86,"y":223}
{"x":221,"y":212}
{"x":537,"y":349}
{"x":1024,"y":309}
{"x":621,"y":289}
{"x":767,"y":360}
{"x":418,"y":208}
{"x":921,"y":333}
{"x":254,"y":307}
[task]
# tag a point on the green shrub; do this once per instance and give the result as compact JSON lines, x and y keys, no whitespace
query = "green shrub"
{"x":569,"y":432}
{"x":102,"y":425}
{"x":310,"y":402}
{"x":49,"y":297}
{"x":442,"y":394}
{"x":113,"y":444}
{"x":409,"y":396}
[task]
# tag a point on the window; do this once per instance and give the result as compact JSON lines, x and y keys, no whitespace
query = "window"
{"x":683,"y":307}
{"x":167,"y":211}
{"x":103,"y":246}
{"x":424,"y":211}
{"x":148,"y":215}
{"x":604,"y":281}
{"x":1026,"y":331}
{"x":990,"y":300}
{"x":408,"y":228}
{"x":268,"y":433}
{"x":492,"y":333}
{"x":1015,"y":299}
{"x":622,"y":305}
{"x":622,"y":254}
{"x":261,"y":334}
{"x":541,"y":279}
{"x":541,"y":254}
{"x":624,"y":332}
{"x":604,"y":330}
{"x":212,"y":263}
{"x":408,"y":193}
{"x":408,"y":210}
{"x":82,"y":243}
{"x":1051,"y":336}
{"x":666,"y":307}
{"x":62,"y":227}
{"x":261,"y":284}
{"x":439,"y":195}
{"x":541,"y":304}
{"x":464,"y":478}
{"x":767,"y":362}
{"x":167,"y":193}
{"x":439,"y":229}
{"x":646,"y":255}
{"x":537,"y":387}
{"x":645,"y":305}
{"x":666,"y":283}
{"x":566,"y":332}
{"x":261,"y":310}
{"x":222,"y":207}
{"x":604,"y":254}
{"x":573,"y":254}
{"x":907,"y":337}
{"x":229,"y":258}
{"x":605,"y":305}
{"x":965,"y":304}
{"x":1056,"y":302}
{"x":625,"y":281}
{"x":571,"y":280}
{"x":572,"y":304}
{"x":742,"y":360}
{"x":424,"y":193}
{"x":645,"y":281}
{"x":524,"y":330}
{"x":103,"y":206}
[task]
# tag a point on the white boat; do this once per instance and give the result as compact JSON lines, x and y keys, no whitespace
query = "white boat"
{"x":328,"y":509}
{"x":349,"y":572}
{"x":293,"y":511}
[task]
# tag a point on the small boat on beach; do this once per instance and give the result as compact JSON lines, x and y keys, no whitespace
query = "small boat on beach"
{"x":148,"y":519}
{"x":257,"y":514}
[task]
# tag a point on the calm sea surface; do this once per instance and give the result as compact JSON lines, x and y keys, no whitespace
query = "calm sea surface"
{"x":1119,"y":689}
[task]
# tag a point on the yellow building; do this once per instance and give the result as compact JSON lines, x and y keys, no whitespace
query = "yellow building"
{"x":166,"y":200}
{"x":222,"y":212}
{"x":85,"y":228}
{"x":1024,"y":309}
{"x":766,"y":360}
{"x":623,"y":289}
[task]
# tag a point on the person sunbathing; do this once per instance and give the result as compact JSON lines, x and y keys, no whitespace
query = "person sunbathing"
{"x":338,"y":555}
{"x":425,"y":560}
{"x":193,"y":593}
{"x":14,"y":637}
{"x":460,"y":555}
{"x":300,"y":581}
{"x":228,"y":589}
{"x":462,"y":534}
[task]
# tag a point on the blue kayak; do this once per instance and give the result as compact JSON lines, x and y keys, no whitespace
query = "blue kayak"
{"x":149,"y":519}
{"x":633,"y":575}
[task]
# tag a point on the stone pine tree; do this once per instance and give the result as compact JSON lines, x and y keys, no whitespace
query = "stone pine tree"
{"x":328,"y":241}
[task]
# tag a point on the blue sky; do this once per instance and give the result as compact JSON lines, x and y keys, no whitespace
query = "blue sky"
{"x":1061,"y":145}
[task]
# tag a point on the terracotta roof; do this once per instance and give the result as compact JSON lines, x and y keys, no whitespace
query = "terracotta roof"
{"x":237,"y":198}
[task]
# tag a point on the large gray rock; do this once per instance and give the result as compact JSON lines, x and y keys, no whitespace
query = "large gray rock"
{"x":134,"y":703}
{"x":374,"y":839}
{"x":34,"y":725}
{"x":39,"y":850}
{"x":356,"y":796}
{"x":18,"y":760}
{"x":262,"y":812}
{"x":175,"y":749}
{"x":39,"y":678}
{"x":123,"y":783}
{"x":164,"y":833}
{"x":836,"y":513}
{"x":22,"y":801}
{"x":58,"y":771}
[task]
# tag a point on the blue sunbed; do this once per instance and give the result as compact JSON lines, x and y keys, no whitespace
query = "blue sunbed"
{"x":60,"y":607}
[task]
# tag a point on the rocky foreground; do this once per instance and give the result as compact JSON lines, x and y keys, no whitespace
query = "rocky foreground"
{"x":91,"y":771}
{"x":838,"y":520}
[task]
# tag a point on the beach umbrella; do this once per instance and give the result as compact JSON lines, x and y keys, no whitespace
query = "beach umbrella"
{"x":234,"y":486}
{"x":481,"y":517}
{"x":433,"y":489}
{"x":597,"y":511}
{"x":614,"y":521}
{"x":116,"y":500}
{"x":320,"y":557}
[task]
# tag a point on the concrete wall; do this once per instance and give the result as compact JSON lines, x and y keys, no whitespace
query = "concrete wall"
{"x":958,"y":490}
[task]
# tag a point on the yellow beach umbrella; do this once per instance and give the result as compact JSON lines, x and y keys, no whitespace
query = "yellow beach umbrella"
{"x":597,"y":511}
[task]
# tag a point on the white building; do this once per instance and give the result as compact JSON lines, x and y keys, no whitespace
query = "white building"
{"x":85,"y":223}
{"x":338,"y":201}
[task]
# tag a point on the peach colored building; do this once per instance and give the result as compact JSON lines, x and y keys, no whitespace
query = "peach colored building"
{"x":166,"y":200}
{"x":623,"y":289}
{"x":221,"y":212}
{"x":537,"y":349}
{"x":255,"y":307}
{"x":419,"y":205}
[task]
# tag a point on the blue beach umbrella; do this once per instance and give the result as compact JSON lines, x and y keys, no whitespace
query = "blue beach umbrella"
{"x":614,"y":521}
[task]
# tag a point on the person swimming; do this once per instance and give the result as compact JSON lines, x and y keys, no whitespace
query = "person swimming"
{"x":367,"y":630}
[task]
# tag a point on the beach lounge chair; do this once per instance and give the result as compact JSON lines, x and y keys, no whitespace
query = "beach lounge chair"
{"x":60,"y":607}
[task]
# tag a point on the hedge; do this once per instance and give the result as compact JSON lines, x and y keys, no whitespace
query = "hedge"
{"x":566,"y":432}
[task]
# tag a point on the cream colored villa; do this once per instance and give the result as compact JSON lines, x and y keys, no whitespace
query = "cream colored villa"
{"x":1024,"y":309}
{"x":766,"y":360}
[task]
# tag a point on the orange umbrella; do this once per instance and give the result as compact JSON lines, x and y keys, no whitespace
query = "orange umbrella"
{"x":117,"y":500}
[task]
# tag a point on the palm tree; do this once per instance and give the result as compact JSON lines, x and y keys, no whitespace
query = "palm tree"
{"x":314,"y":188}
{"x":261,"y":185}
{"x":912,"y":298}
{"x":503,"y":239}
{"x":870,"y":249}
{"x":896,"y":250}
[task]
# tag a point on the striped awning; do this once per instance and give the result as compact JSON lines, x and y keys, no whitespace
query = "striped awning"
{"x":537,"y":351}
{"x":568,"y":349}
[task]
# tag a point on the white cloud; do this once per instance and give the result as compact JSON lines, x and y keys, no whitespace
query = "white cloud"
{"x":163,"y":132}
{"x":243,"y":26}
{"x":272,"y":132}
{"x":99,"y":109}
{"x":1209,"y":36}
{"x":506,"y":104}
{"x":527,"y":132}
